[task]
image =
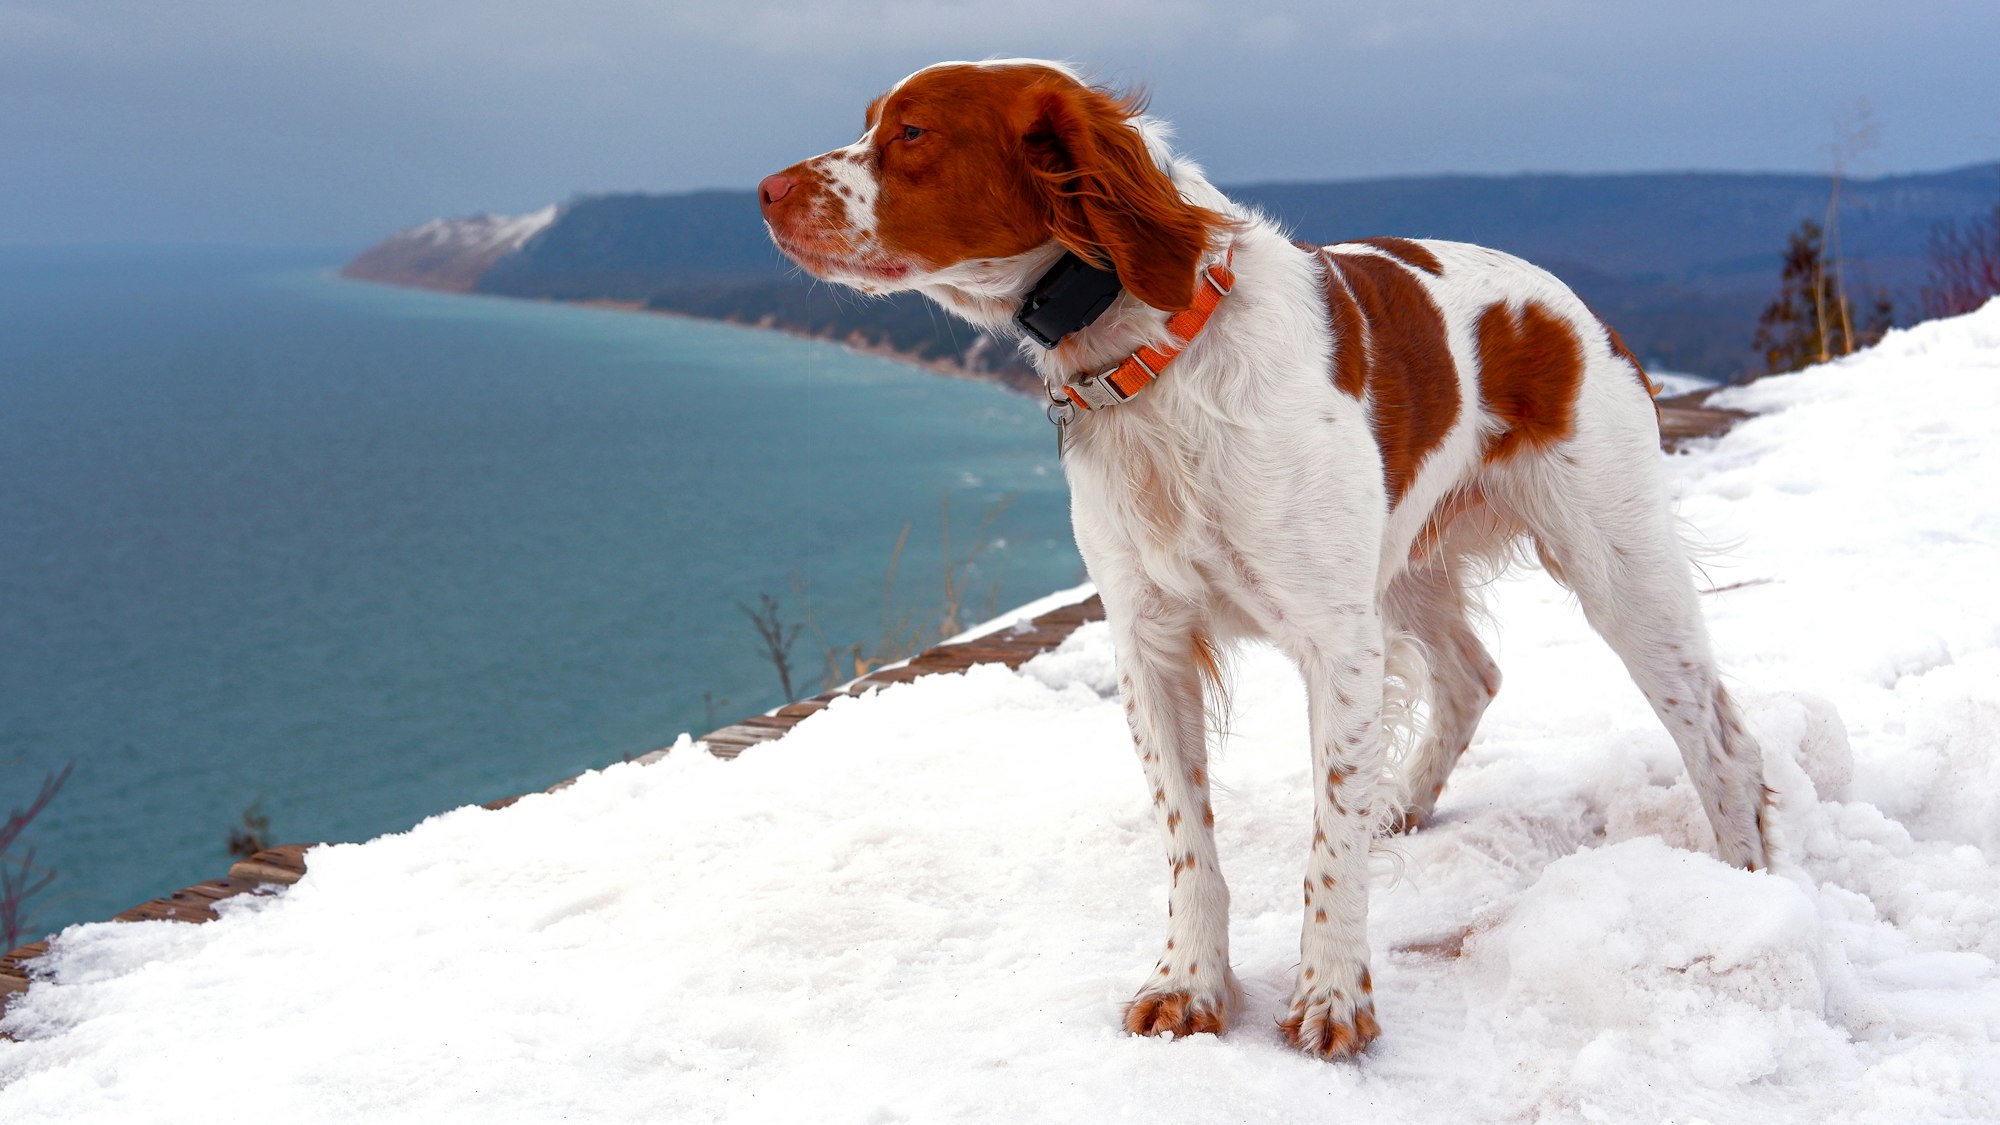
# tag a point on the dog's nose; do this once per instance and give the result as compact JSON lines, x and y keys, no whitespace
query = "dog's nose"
{"x":773,"y":188}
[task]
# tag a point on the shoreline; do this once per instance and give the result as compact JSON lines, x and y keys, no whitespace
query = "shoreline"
{"x":944,"y":367}
{"x":1682,"y":417}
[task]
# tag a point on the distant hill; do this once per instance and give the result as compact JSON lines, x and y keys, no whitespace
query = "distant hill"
{"x":1681,"y":263}
{"x":448,"y":254}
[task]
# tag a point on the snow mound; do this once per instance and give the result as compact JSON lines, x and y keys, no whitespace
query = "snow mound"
{"x":927,"y":904}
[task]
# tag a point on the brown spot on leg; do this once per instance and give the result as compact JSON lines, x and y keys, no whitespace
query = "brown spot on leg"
{"x":1176,"y":1012}
{"x":1330,"y":1038}
{"x":1530,"y":368}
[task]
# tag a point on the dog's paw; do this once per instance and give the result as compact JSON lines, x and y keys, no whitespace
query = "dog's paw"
{"x":1332,"y":1020}
{"x":1181,"y":1012}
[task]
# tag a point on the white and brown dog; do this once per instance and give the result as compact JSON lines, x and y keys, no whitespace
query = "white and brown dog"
{"x":1307,"y":444}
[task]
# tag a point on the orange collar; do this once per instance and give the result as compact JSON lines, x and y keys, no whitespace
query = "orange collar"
{"x":1137,"y":371}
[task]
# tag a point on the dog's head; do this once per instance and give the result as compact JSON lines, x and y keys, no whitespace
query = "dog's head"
{"x":967,"y":168}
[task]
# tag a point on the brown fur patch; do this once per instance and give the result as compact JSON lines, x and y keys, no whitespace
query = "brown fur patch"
{"x":1173,"y":1011}
{"x":1412,"y":383}
{"x":1331,"y":1039}
{"x":1412,"y":254}
{"x":1105,"y":196}
{"x":1350,"y":340}
{"x":1530,"y":368}
{"x":1207,"y":660}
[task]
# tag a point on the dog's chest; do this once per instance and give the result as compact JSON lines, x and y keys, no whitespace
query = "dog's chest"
{"x":1149,"y":482}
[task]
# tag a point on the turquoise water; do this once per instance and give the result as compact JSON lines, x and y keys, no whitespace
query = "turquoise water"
{"x":363,"y":554}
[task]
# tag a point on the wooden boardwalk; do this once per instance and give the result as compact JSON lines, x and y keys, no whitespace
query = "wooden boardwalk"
{"x":1681,"y":419}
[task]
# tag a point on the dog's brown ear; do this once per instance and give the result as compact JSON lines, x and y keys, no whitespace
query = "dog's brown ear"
{"x":1108,"y":201}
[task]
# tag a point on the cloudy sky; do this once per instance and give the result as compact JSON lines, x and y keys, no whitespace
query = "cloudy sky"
{"x":331,"y":122}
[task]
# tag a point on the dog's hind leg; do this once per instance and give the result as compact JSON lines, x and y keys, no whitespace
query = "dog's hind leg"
{"x":1597,"y":507}
{"x":1427,"y":602}
{"x":1161,"y":659}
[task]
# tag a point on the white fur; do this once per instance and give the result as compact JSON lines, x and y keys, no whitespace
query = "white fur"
{"x":1242,"y":495}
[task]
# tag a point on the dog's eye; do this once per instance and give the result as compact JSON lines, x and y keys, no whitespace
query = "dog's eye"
{"x":909,"y":133}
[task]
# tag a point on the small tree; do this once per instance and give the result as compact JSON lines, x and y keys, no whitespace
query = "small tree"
{"x":777,"y":636}
{"x":20,"y":878}
{"x":1811,"y":320}
{"x":252,"y":834}
{"x":1964,"y":266}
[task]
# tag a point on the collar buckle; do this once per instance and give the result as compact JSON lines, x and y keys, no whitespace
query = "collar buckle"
{"x":1099,"y":391}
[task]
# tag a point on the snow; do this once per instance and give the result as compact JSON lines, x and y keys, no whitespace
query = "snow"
{"x":927,"y":904}
{"x":1672,"y":383}
{"x":498,"y":234}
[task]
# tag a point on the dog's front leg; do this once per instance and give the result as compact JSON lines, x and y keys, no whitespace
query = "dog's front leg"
{"x":1160,"y":653}
{"x":1332,"y":1011}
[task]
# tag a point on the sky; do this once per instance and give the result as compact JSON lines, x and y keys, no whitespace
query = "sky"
{"x":292,"y":122}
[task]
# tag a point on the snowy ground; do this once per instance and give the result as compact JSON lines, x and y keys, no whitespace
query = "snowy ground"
{"x":1672,"y":383}
{"x":927,"y":905}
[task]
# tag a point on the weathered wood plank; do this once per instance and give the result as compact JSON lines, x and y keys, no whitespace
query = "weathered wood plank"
{"x":14,"y":968}
{"x":284,"y":864}
{"x":1686,"y":417}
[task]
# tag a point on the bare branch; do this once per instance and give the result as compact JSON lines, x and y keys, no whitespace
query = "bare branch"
{"x":776,"y":636}
{"x":19,"y":878}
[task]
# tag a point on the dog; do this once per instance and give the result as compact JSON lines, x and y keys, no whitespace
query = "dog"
{"x":1264,"y":439}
